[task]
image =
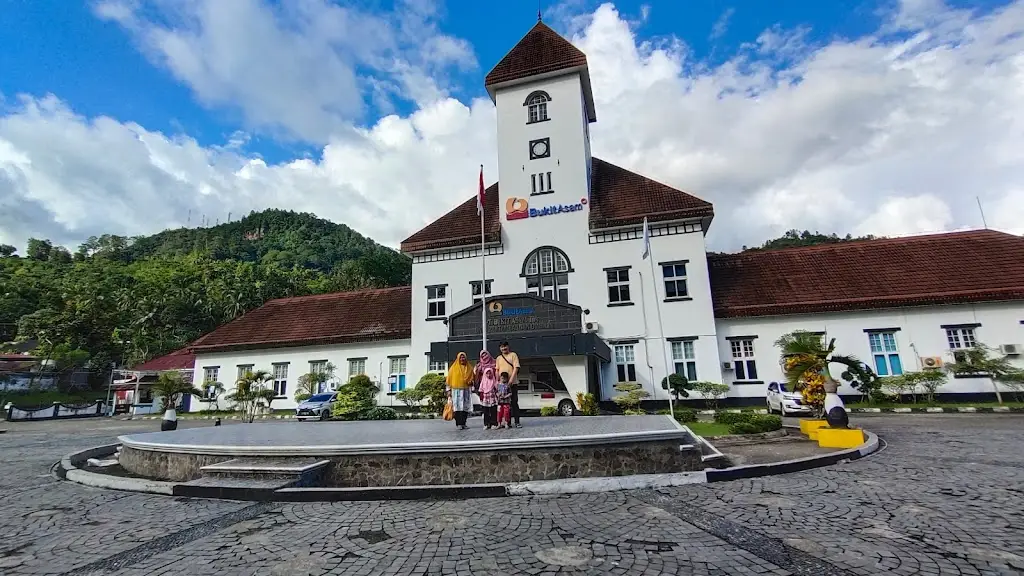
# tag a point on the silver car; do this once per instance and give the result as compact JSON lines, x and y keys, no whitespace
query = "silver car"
{"x":316,"y":407}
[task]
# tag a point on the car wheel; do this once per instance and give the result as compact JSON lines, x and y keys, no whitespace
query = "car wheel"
{"x":566,"y":408}
{"x":770,"y":409}
{"x":324,"y":415}
{"x":782,"y":409}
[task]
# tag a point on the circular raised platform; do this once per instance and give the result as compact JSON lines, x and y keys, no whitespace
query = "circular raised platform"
{"x":416,"y":452}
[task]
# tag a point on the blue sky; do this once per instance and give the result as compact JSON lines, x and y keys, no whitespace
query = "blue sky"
{"x":61,"y":47}
{"x":126,"y":116}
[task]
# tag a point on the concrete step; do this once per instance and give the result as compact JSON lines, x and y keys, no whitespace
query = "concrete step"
{"x":228,"y":488}
{"x":296,"y":471}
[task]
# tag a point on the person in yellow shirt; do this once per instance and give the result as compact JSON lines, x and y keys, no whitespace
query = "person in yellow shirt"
{"x":508,"y":363}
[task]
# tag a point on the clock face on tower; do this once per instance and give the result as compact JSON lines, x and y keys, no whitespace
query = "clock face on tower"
{"x":540,"y":148}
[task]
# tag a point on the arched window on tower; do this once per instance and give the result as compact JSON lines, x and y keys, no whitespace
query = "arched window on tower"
{"x":547,"y":270}
{"x":537,"y":106}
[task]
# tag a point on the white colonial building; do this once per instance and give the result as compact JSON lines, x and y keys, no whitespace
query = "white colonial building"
{"x":567,"y":285}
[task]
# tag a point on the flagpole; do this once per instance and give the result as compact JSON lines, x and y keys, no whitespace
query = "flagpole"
{"x":649,"y":255}
{"x":483,"y":264}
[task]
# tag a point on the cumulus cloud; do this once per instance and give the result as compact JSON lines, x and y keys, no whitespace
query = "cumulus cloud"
{"x":893,"y":133}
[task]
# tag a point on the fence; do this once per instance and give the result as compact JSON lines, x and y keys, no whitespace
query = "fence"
{"x":57,"y":410}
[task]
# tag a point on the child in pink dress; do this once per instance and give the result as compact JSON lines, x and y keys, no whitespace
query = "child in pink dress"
{"x":489,"y":398}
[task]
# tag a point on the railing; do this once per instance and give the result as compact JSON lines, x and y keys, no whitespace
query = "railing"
{"x":57,"y":410}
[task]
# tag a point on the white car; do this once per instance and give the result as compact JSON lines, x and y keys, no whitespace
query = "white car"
{"x":785,"y":402}
{"x":316,"y":407}
{"x":535,"y":395}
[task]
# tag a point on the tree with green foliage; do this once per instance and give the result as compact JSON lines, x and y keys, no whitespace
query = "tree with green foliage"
{"x":677,"y":384}
{"x":985,"y":362}
{"x":432,"y":388}
{"x":251,"y":393}
{"x":6,"y":250}
{"x":795,"y":238}
{"x":170,"y":387}
{"x":711,"y":392}
{"x":355,"y":398}
{"x":312,"y":383}
{"x":632,"y":393}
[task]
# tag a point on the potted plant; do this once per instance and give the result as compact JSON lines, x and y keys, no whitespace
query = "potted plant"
{"x":170,"y":386}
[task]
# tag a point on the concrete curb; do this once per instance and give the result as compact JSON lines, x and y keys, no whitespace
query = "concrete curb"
{"x":68,"y":469}
{"x":934,"y":410}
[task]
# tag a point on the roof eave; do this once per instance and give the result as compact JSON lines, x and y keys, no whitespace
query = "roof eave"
{"x":582,"y":70}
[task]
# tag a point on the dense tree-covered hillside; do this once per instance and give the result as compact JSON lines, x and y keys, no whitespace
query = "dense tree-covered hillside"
{"x":126,"y":300}
{"x":795,"y":238}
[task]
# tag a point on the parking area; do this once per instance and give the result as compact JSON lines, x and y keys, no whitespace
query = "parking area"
{"x":943,"y":497}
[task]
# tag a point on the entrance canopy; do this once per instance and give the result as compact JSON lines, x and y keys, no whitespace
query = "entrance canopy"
{"x":534,"y":326}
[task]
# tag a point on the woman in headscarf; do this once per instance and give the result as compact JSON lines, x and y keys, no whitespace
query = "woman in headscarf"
{"x":460,"y":381}
{"x":486,"y":362}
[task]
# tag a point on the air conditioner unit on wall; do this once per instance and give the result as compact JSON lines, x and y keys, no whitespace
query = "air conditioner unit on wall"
{"x":931,"y":361}
{"x":727,"y":366}
{"x":592,"y":327}
{"x":1010,"y":349}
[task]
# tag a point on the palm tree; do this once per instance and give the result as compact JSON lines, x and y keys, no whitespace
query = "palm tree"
{"x":805,"y":353}
{"x":250,"y":389}
{"x":214,"y":389}
{"x":170,"y":387}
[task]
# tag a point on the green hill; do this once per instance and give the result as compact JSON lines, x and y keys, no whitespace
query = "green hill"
{"x":125,"y":300}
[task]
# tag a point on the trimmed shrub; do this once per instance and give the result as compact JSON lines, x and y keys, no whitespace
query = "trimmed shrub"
{"x":549,"y":411}
{"x":756,"y":424}
{"x":685,"y":415}
{"x":380,"y":413}
{"x":732,"y":417}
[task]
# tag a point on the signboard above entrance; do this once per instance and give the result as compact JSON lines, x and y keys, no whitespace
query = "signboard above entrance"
{"x":516,"y":315}
{"x":519,"y":208}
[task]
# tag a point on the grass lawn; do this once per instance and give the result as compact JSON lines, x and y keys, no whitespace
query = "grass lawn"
{"x":708,"y":428}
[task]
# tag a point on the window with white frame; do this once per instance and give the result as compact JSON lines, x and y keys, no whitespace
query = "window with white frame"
{"x":743,"y":363}
{"x":438,"y":367}
{"x":475,"y":285}
{"x":618,"y":285}
{"x":625,"y":362}
{"x":319,"y":367}
{"x":242,"y":370}
{"x":674,"y":275}
{"x":356,"y":366}
{"x":397,"y":373}
{"x":685,"y":359}
{"x":436,"y":296}
{"x":961,"y":337}
{"x":280,"y":372}
{"x":537,"y":106}
{"x":885,"y":353}
{"x":547,"y":273}
{"x":211,"y":375}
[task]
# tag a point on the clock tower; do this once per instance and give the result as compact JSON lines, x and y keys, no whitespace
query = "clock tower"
{"x":544,"y":102}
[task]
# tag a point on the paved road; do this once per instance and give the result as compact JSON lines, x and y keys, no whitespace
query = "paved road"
{"x":944,"y":497}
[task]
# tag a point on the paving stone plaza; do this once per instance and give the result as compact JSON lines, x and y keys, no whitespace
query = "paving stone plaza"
{"x":945,"y":496}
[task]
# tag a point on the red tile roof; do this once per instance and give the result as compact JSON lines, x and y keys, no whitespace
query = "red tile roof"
{"x":360,"y":316}
{"x":460,"y":227}
{"x":541,"y":50}
{"x":177,"y":360}
{"x":618,"y":198}
{"x":957,"y":267}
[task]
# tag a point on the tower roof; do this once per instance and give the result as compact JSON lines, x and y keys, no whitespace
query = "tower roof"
{"x":541,"y":52}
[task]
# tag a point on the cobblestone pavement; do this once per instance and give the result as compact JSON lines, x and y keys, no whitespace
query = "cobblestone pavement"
{"x":943,"y":497}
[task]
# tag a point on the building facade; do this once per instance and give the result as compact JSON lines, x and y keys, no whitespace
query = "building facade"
{"x":564,"y":274}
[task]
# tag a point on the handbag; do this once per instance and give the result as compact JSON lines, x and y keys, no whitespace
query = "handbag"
{"x":448,"y":413}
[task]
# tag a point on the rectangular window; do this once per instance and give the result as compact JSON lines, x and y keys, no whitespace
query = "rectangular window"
{"x":540,"y":183}
{"x":318,"y":367}
{"x":674,"y":274}
{"x":436,"y":301}
{"x":356,"y":366}
{"x":243,"y":369}
{"x":475,"y":284}
{"x":625,"y":363}
{"x":280,"y":379}
{"x":438,"y":367}
{"x":685,"y":359}
{"x":885,"y":354}
{"x":397,"y":373}
{"x":211,"y":373}
{"x":743,"y":359}
{"x":618,"y":286}
{"x":960,"y":338}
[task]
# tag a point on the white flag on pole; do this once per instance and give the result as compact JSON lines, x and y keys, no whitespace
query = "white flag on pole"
{"x":647,"y":241}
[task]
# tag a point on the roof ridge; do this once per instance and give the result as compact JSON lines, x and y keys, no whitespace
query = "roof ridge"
{"x":859,"y":242}
{"x":649,"y":179}
{"x":328,"y":295}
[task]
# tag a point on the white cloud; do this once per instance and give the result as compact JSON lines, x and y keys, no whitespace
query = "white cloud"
{"x":892,"y":133}
{"x":721,"y":26}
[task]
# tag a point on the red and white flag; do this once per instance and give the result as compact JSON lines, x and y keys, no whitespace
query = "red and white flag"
{"x":480,"y":194}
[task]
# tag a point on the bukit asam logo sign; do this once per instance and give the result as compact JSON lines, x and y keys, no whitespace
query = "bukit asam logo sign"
{"x":519,"y":208}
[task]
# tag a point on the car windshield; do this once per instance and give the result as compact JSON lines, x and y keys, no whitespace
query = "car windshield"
{"x":782,"y":387}
{"x":319,"y":398}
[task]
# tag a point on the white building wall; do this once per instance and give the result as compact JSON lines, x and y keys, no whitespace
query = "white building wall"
{"x":919,"y":335}
{"x":377,"y":357}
